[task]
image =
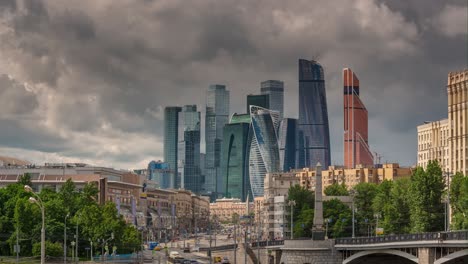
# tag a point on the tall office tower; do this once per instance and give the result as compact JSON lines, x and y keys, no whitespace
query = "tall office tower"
{"x":262,"y":100}
{"x":457,"y":90}
{"x":264,"y":150}
{"x":171,"y":139}
{"x":275,"y":89}
{"x":189,"y":149}
{"x":356,"y":147}
{"x":217,"y":115}
{"x":159,"y":172}
{"x":287,"y":143}
{"x":235,"y":183}
{"x":313,"y":131}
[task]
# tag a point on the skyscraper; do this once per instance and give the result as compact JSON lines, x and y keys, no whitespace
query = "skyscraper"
{"x":217,"y":115}
{"x":313,"y":131}
{"x":235,"y":183}
{"x":356,"y":148}
{"x":262,"y":100}
{"x":189,"y":149}
{"x":264,"y":151}
{"x":287,"y":143}
{"x":171,"y":139}
{"x":159,"y":172}
{"x":275,"y":90}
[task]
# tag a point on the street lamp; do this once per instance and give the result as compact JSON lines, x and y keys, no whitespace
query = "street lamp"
{"x":292,"y":203}
{"x":327,"y":220}
{"x":39,"y":202}
{"x":376,"y":216}
{"x":353,"y":193}
{"x":65,"y":240}
{"x":447,"y":210}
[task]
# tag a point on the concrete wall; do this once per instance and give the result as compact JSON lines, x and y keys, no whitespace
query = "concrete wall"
{"x":308,"y":251}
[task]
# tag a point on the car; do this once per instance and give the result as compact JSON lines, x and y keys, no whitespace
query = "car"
{"x":174,"y":254}
{"x":157,"y":248}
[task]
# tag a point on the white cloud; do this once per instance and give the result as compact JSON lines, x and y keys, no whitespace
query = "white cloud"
{"x":452,"y":21}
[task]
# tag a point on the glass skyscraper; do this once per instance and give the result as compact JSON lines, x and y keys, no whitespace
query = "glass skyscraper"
{"x":262,"y":100}
{"x":217,"y":115}
{"x":171,"y":139}
{"x":159,"y":172}
{"x":189,"y":149}
{"x":313,"y":130}
{"x":264,"y":150}
{"x":275,"y":90}
{"x":287,"y":143}
{"x":235,"y":183}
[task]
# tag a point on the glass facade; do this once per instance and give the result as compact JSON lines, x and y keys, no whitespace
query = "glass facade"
{"x":235,"y":183}
{"x":189,"y":149}
{"x":171,"y":139}
{"x":217,"y":114}
{"x":159,"y":172}
{"x":275,"y":90}
{"x":262,"y":100}
{"x":287,"y":143}
{"x":313,"y":129}
{"x":264,"y":150}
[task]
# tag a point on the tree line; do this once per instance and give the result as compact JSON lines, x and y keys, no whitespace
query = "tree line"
{"x":21,"y":220}
{"x":409,"y":205}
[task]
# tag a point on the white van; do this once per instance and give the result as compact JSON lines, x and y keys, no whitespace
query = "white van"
{"x":174,"y":254}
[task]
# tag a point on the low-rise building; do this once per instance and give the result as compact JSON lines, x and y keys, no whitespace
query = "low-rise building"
{"x":226,"y":209}
{"x":351,"y":177}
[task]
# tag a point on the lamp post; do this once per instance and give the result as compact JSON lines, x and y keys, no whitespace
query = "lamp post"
{"x":327,"y":220}
{"x":76,"y":253}
{"x":377,"y":216}
{"x":39,"y":202}
{"x":65,"y":239}
{"x":292,"y":203}
{"x":447,"y":211}
{"x":353,"y":193}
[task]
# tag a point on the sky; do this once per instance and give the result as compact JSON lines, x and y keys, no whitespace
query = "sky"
{"x":87,"y":81}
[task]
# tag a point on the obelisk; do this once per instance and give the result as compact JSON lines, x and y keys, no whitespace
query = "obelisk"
{"x":317,"y":228}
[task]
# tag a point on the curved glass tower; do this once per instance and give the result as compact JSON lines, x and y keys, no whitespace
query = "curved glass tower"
{"x":264,"y":150}
{"x":313,"y":131}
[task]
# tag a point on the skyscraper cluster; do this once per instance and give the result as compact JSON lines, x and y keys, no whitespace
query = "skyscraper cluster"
{"x":241,"y":148}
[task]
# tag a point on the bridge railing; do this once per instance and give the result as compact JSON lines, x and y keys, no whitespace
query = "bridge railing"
{"x":220,"y":248}
{"x":456,"y":235}
{"x":269,"y":243}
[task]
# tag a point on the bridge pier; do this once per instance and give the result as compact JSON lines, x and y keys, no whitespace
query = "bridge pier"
{"x":426,"y":256}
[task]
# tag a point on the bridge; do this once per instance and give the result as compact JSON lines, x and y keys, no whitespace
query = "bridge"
{"x":427,"y":248}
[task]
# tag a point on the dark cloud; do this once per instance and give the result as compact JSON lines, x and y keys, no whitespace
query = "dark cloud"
{"x":99,"y":73}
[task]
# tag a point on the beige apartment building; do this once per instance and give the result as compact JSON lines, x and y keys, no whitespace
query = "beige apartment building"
{"x":351,"y":177}
{"x":224,"y":209}
{"x":445,"y":140}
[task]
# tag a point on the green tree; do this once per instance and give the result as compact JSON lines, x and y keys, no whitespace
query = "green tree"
{"x":52,"y":249}
{"x":339,"y":216}
{"x":382,"y":203}
{"x":459,"y":201}
{"x":305,"y":220}
{"x":426,"y":191}
{"x":364,"y":213}
{"x":25,"y":179}
{"x":301,"y":196}
{"x":399,"y":213}
{"x":336,"y":190}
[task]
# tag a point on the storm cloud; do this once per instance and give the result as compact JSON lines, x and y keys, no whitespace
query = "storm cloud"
{"x":88,"y":80}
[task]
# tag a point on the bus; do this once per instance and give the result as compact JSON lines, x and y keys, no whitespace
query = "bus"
{"x":152,"y":245}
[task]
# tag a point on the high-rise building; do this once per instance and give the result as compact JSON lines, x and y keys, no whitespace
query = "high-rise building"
{"x":457,"y":90}
{"x":235,"y":183}
{"x":313,"y":130}
{"x":159,"y":172}
{"x":262,"y":100}
{"x":171,"y":139}
{"x":446,"y":140}
{"x":275,"y":90}
{"x":356,"y":146}
{"x":287,"y":143}
{"x":217,"y":115}
{"x":263,"y":147}
{"x":189,"y":149}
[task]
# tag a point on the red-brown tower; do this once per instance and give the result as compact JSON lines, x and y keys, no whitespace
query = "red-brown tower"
{"x":356,"y":148}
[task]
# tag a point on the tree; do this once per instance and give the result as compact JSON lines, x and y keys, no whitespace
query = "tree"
{"x":426,"y":191}
{"x":364,"y":195}
{"x":383,"y":204}
{"x":339,"y":216}
{"x":305,"y":220}
{"x":301,"y":196}
{"x":399,"y":214}
{"x":336,"y":190}
{"x":459,"y":201}
{"x":25,"y":179}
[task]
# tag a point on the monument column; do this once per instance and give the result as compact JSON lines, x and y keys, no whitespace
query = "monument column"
{"x":317,"y":228}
